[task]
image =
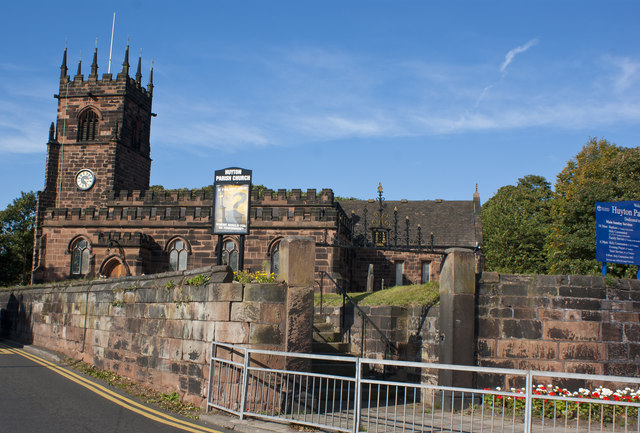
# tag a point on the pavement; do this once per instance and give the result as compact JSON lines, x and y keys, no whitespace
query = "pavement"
{"x":248,"y":425}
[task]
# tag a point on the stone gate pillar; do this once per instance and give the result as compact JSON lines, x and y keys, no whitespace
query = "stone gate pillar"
{"x":297,"y":269}
{"x":457,"y":315}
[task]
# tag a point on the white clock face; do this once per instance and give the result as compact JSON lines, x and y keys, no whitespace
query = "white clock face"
{"x":85,"y":179}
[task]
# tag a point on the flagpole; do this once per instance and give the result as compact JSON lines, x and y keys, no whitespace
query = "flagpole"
{"x":113,"y":25}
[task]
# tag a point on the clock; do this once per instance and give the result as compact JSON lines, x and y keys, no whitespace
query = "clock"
{"x":85,"y":179}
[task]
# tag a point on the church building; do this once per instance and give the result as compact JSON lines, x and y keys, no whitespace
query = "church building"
{"x":97,"y":217}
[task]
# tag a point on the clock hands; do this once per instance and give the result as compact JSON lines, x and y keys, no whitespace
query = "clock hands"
{"x":85,"y":179}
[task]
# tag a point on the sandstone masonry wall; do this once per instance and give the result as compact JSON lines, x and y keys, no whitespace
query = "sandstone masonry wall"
{"x":154,"y":329}
{"x":583,"y":324}
{"x":563,"y":323}
{"x":413,"y":330}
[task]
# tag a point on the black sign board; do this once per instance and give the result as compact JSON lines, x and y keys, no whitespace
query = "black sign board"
{"x":232,"y":187}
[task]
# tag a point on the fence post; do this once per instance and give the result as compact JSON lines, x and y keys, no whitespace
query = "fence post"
{"x":358,"y":397}
{"x":528,"y":403}
{"x":210,"y":387}
{"x":245,"y":382}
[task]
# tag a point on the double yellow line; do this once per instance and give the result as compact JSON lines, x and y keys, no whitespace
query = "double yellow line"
{"x":110,"y":395}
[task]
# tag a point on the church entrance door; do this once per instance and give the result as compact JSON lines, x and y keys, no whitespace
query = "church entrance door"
{"x":114,"y":268}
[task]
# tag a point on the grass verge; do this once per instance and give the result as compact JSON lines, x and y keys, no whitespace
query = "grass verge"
{"x":170,"y":402}
{"x":419,"y":294}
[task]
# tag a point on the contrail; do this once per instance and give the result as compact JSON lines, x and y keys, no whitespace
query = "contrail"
{"x":512,"y":54}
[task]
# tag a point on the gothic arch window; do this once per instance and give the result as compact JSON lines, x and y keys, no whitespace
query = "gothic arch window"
{"x":87,"y":125}
{"x":230,"y":254}
{"x":274,"y":255}
{"x":80,"y":250}
{"x":178,"y":250}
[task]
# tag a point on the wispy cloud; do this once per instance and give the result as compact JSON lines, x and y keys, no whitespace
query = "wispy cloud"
{"x":514,"y":52}
{"x":508,"y":58}
{"x":22,"y":129}
{"x":628,"y":72}
{"x":483,"y":94}
{"x":309,"y":97}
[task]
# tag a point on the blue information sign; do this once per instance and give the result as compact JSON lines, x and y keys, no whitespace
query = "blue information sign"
{"x":618,"y":232}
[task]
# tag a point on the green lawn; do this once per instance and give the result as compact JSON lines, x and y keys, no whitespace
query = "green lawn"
{"x":420,"y":294}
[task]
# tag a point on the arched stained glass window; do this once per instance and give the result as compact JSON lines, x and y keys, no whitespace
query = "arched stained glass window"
{"x":80,"y":257}
{"x":230,"y":254}
{"x":275,"y":258}
{"x":178,"y":254}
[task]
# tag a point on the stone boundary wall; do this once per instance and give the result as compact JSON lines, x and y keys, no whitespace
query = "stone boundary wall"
{"x":155,"y":329}
{"x":561,"y":323}
{"x":581,"y":324}
{"x":413,"y":330}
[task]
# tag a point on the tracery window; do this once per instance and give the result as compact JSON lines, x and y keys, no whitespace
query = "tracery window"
{"x":87,"y":125}
{"x":80,"y":257}
{"x":178,"y":255}
{"x":230,"y":254}
{"x":275,"y":258}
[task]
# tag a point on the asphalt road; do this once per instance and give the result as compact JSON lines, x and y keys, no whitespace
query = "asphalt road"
{"x":37,"y":395}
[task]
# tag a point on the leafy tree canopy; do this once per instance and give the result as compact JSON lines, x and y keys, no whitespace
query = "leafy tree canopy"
{"x":528,"y":228}
{"x":600,"y":172}
{"x":516,"y":222}
{"x":16,"y":240}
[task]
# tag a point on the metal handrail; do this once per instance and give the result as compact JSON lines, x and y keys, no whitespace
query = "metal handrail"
{"x":351,"y":403}
{"x":362,"y":313}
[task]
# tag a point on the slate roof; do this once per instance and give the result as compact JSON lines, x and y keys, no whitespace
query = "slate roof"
{"x":453,"y":223}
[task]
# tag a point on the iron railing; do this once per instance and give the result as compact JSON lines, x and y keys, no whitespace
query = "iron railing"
{"x":348,"y":394}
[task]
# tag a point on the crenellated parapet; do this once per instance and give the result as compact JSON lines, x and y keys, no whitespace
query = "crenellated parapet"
{"x":196,"y":206}
{"x":129,"y":213}
{"x":165,"y":197}
{"x":124,"y":239}
{"x":76,"y":86}
{"x":285,"y":197}
{"x":120,"y":106}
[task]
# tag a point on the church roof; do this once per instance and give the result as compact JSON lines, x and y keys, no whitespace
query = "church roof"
{"x":454,"y":223}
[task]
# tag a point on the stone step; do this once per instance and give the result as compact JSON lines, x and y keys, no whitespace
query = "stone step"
{"x":324,"y":327}
{"x":329,"y":348}
{"x":329,"y":337}
{"x":333,"y":368}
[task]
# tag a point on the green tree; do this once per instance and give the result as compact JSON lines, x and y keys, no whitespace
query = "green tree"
{"x":515,"y":224}
{"x":600,"y":172}
{"x":16,"y":240}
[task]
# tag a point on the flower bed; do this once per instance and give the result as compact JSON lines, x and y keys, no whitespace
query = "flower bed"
{"x":599,"y":405}
{"x":246,"y":277}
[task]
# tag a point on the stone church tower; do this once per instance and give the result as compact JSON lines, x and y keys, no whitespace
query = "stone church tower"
{"x":100,"y":141}
{"x":99,"y":144}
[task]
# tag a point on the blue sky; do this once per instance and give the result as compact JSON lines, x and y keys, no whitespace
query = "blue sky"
{"x":427,"y":97}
